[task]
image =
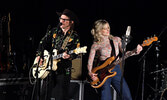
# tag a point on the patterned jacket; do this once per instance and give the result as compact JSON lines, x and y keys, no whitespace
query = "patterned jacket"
{"x":54,"y":40}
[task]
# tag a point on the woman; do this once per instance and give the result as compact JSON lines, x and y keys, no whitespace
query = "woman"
{"x":103,"y":47}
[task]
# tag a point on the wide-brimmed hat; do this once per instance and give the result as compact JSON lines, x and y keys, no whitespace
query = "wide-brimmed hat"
{"x":70,"y":14}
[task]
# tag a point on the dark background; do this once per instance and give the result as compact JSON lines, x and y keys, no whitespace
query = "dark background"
{"x":30,"y":18}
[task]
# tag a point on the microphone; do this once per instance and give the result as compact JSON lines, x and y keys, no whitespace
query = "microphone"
{"x":58,"y":26}
{"x":127,"y":36}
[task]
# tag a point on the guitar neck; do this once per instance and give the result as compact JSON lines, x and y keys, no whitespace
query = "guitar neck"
{"x":126,"y":56}
{"x":76,"y":51}
{"x":145,"y":43}
{"x":61,"y":55}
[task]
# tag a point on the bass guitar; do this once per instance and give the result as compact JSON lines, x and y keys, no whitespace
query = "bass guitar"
{"x":104,"y":71}
{"x":45,"y":68}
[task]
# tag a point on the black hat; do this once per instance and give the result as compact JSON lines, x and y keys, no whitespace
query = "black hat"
{"x":70,"y":14}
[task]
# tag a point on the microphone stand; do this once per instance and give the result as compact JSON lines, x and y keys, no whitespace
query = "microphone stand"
{"x":38,"y":81}
{"x":143,"y":75}
{"x":157,"y":68}
{"x":125,"y":40}
{"x":50,"y":61}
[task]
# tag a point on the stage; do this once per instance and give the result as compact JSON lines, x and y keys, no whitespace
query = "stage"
{"x":28,"y":23}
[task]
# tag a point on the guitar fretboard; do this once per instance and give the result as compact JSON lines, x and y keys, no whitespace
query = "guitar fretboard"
{"x":61,"y":55}
{"x":126,"y":56}
{"x":76,"y":51}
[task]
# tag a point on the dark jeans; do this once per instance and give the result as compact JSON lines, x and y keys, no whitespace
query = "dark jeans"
{"x":115,"y":82}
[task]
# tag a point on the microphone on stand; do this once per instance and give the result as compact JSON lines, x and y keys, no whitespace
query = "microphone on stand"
{"x":127,"y":36}
{"x":58,"y":26}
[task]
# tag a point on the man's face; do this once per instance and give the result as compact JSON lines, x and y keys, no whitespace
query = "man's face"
{"x":65,"y":20}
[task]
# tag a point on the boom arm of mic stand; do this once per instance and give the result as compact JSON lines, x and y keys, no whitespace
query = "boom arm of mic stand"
{"x":145,"y":52}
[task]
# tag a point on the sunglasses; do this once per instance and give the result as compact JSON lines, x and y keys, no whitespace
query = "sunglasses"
{"x":64,"y":19}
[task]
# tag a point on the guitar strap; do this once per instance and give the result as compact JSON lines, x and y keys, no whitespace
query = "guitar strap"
{"x":113,"y":48}
{"x":66,"y":40}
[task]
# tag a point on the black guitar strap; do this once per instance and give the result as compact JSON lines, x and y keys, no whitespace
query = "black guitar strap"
{"x":113,"y":48}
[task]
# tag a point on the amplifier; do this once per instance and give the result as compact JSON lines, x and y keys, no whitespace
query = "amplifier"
{"x":15,"y":89}
{"x":76,"y":71}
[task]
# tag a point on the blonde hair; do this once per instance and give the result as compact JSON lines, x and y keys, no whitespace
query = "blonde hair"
{"x":96,"y":30}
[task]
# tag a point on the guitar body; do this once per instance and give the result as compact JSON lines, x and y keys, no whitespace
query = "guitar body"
{"x":103,"y":72}
{"x":44,"y":69}
{"x":55,"y":61}
{"x":42,"y":73}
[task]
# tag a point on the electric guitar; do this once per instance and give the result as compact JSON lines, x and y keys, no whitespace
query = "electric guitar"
{"x":45,"y":68}
{"x":104,"y":71}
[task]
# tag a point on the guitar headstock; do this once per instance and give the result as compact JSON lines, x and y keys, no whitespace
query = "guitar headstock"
{"x":80,"y":50}
{"x":149,"y":41}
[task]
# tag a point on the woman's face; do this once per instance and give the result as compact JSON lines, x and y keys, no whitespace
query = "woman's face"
{"x":106,"y":30}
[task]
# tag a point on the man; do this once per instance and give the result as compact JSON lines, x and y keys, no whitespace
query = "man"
{"x":63,"y":38}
